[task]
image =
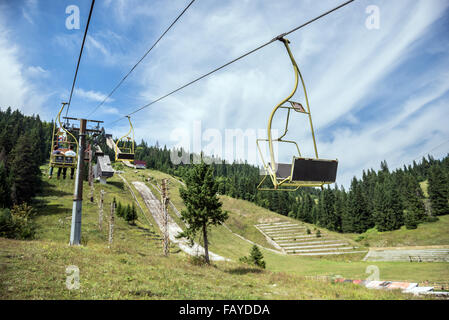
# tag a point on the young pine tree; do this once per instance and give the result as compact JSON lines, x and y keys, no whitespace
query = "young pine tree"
{"x":131,"y":214}
{"x":118,"y":209}
{"x":256,"y":257}
{"x":203,"y":208}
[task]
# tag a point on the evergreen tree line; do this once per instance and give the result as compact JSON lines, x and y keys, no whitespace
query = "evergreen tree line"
{"x":24,"y":146}
{"x":383,"y":199}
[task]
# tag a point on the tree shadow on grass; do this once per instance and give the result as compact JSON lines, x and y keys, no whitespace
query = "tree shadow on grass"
{"x":44,"y":209}
{"x":50,"y":190}
{"x":244,"y":270}
{"x":117,"y":184}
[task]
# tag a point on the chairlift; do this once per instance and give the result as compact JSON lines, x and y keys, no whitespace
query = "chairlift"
{"x":63,"y":138}
{"x":302,"y":171}
{"x":124,"y":147}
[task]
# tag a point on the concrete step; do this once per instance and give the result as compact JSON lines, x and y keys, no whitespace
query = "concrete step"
{"x":298,"y":236}
{"x":316,"y":246}
{"x":284,"y":227}
{"x":309,"y":241}
{"x":286,"y":233}
{"x":325,"y":253}
{"x":314,"y":243}
{"x":272,"y":224}
{"x":319,"y":249}
{"x":407,"y":255}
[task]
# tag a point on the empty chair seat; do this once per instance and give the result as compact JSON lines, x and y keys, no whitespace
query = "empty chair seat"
{"x":125,"y":156}
{"x":308,"y":170}
{"x":319,"y":170}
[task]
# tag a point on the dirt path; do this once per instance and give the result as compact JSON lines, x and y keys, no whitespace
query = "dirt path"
{"x":154,"y":206}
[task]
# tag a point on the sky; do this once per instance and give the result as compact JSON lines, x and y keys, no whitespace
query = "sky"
{"x":377,"y":79}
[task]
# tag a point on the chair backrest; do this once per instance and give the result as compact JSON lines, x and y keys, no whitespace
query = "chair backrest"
{"x":69,"y":159}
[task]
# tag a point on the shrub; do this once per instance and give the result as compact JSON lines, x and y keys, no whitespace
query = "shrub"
{"x":198,"y":260}
{"x":308,"y":231}
{"x":255,"y":258}
{"x":17,"y":223}
{"x":318,"y":234}
{"x":431,"y":219}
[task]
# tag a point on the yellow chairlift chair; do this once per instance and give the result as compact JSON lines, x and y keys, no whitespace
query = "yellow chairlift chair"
{"x":124,"y":147}
{"x":301,"y":172}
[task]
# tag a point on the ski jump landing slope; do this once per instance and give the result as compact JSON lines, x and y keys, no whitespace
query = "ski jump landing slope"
{"x":154,"y":206}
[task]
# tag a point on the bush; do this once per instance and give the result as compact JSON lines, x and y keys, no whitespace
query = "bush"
{"x":17,"y":223}
{"x":431,"y":219}
{"x":308,"y":231}
{"x":198,"y":260}
{"x":318,"y":234}
{"x":255,"y":258}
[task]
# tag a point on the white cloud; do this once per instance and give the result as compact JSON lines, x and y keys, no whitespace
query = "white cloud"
{"x":37,"y":71}
{"x":16,"y":90}
{"x":92,"y":95}
{"x":346,"y":68}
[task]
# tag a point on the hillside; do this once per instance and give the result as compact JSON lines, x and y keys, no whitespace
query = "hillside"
{"x":244,"y":215}
{"x":135,"y":268}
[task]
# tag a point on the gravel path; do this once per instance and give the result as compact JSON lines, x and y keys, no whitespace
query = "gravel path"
{"x":154,"y":206}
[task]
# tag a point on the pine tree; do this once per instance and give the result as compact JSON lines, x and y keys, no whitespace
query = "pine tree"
{"x":119,"y":209}
{"x":5,"y":199}
{"x":414,"y":212}
{"x":438,"y":191}
{"x":380,"y":206}
{"x":131,"y":216}
{"x":25,"y":172}
{"x":358,"y":218}
{"x":203,"y":208}
{"x":388,"y":210}
{"x":256,"y":257}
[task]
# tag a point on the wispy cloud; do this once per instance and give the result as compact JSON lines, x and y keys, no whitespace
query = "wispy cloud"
{"x":92,"y":95}
{"x":16,"y":90}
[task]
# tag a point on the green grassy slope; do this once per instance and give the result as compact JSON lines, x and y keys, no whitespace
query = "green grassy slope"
{"x":135,"y":267}
{"x":427,"y":234}
{"x":242,"y":217}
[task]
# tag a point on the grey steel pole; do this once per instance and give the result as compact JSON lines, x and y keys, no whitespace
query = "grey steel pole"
{"x":75,"y":232}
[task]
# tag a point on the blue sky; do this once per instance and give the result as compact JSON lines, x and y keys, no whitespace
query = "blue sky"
{"x":374,"y":94}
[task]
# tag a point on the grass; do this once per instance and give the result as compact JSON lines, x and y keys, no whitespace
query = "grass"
{"x":244,"y":214}
{"x":136,"y":269}
{"x":427,"y":234}
{"x":37,"y":270}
